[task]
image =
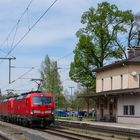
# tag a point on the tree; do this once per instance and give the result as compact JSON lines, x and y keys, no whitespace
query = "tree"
{"x":51,"y":79}
{"x":0,"y":94}
{"x":134,"y":31}
{"x":61,"y":102}
{"x":132,"y":36}
{"x":97,"y":41}
{"x":80,"y":103}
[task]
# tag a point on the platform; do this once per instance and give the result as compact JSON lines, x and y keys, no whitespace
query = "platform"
{"x":120,"y":128}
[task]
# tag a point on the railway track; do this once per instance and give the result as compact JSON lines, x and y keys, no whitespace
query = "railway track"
{"x":52,"y":130}
{"x":4,"y":136}
{"x":74,"y":131}
{"x":101,"y":129}
{"x":69,"y":135}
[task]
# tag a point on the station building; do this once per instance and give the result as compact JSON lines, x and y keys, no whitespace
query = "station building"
{"x":118,"y":90}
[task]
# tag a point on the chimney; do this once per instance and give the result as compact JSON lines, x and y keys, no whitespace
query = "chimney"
{"x":134,"y":51}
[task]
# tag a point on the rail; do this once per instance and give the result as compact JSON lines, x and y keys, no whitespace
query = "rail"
{"x":4,"y":136}
{"x":69,"y":135}
{"x":104,"y":129}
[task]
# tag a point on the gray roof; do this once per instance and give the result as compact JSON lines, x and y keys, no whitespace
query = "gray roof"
{"x":132,"y":61}
{"x":132,"y":91}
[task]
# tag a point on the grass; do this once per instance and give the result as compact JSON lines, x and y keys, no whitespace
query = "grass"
{"x":129,"y":138}
{"x":75,"y":118}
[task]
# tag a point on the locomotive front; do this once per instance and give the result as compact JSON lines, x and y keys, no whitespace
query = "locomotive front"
{"x":42,"y":108}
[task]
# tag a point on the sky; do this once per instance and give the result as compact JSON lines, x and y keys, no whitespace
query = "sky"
{"x":54,"y":35}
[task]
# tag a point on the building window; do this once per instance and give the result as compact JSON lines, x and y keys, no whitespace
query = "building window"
{"x":132,"y":110}
{"x":111,"y":82}
{"x":121,"y":81}
{"x":129,"y":110}
{"x":125,"y":110}
{"x":139,"y":80}
{"x":102,"y":84}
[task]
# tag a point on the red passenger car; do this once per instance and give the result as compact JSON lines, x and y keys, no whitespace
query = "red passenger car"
{"x":6,"y":106}
{"x":32,"y":108}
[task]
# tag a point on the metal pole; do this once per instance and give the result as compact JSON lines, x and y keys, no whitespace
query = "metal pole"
{"x":12,"y":58}
{"x":71,"y":92}
{"x":9,"y":71}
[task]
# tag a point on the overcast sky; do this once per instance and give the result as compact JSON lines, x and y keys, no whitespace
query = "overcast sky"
{"x":53,"y":35}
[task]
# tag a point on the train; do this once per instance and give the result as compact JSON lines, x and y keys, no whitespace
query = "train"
{"x":35,"y":108}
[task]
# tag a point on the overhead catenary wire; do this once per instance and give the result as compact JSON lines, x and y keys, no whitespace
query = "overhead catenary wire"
{"x":29,"y":30}
{"x":28,"y":18}
{"x":21,"y":67}
{"x":20,"y":77}
{"x":15,"y":26}
{"x":23,"y":75}
{"x":64,"y":69}
{"x":5,"y":52}
{"x":14,"y":36}
{"x":22,"y":85}
{"x":67,"y":55}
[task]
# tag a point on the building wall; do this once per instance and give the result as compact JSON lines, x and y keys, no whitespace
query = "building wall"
{"x":116,"y":82}
{"x":129,"y":120}
{"x":103,"y":78}
{"x":106,"y":109}
{"x":128,"y":100}
{"x":126,"y":81}
{"x":134,"y":80}
{"x":106,"y":114}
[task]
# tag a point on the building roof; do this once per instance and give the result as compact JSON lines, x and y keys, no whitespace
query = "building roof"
{"x":134,"y":60}
{"x":114,"y":92}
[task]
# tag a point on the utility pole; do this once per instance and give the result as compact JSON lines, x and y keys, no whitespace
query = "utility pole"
{"x":71,"y":92}
{"x":12,"y":58}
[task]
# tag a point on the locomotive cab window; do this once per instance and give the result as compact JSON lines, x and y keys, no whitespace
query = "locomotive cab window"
{"x":41,"y":100}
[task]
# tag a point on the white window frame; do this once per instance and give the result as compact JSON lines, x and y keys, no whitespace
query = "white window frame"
{"x":129,"y":110}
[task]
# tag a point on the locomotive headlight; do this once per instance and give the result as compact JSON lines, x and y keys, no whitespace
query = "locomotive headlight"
{"x":52,"y":112}
{"x":31,"y":112}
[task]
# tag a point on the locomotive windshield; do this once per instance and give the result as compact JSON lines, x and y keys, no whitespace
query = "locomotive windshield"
{"x":41,"y":100}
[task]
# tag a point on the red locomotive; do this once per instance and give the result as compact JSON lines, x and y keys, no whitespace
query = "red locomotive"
{"x":32,"y":108}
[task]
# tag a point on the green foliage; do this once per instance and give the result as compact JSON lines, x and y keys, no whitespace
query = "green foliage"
{"x":51,"y":78}
{"x":0,"y":95}
{"x":51,"y":82}
{"x":133,"y":35}
{"x":129,"y":138}
{"x":81,"y":68}
{"x":61,"y":102}
{"x":113,"y":136}
{"x":97,"y":41}
{"x":79,"y":103}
